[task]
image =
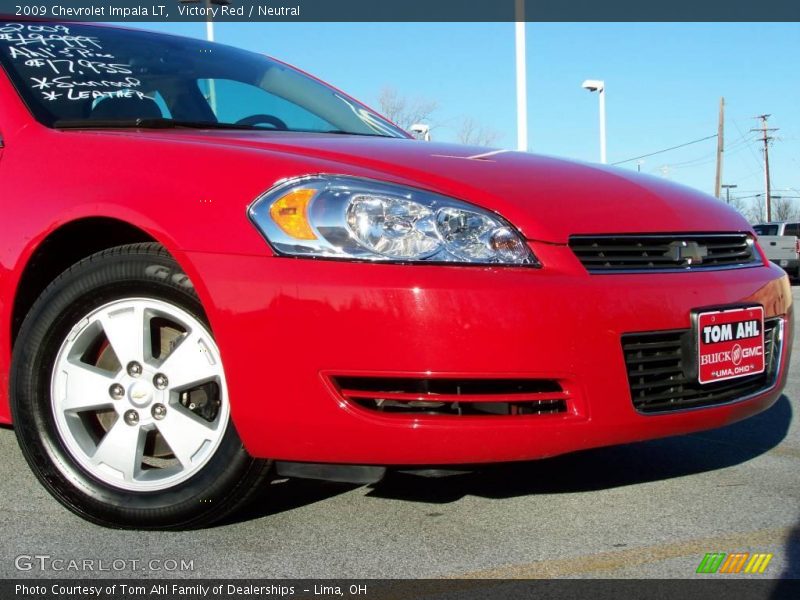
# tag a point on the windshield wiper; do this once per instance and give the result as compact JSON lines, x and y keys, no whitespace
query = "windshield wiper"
{"x":164,"y":123}
{"x":342,"y":132}
{"x":150,"y":123}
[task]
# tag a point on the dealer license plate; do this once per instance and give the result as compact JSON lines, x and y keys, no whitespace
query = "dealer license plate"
{"x":730,"y":343}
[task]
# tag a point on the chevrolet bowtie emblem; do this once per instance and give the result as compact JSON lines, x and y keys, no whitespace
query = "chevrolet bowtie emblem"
{"x":691,"y":253}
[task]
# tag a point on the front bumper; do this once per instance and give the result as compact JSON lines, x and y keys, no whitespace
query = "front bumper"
{"x":286,"y":326}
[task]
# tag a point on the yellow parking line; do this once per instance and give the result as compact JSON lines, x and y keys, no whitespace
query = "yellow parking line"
{"x":611,"y":561}
{"x":782,"y":449}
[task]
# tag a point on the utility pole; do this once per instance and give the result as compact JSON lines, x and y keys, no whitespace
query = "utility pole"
{"x":720,"y":147}
{"x":728,"y":187}
{"x":766,"y":138}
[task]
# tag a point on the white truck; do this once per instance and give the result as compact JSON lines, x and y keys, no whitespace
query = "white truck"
{"x":781,"y":244}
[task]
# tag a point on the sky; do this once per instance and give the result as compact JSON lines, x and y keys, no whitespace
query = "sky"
{"x":663,"y":85}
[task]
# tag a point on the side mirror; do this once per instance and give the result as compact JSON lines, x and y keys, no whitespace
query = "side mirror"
{"x":421,"y":131}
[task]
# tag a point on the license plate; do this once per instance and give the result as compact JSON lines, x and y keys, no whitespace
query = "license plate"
{"x":730,"y":343}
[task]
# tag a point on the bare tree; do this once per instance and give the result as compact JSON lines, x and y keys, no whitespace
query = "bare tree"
{"x":473,"y":134}
{"x":405,"y":111}
{"x":784,"y":210}
{"x":755,"y":214}
{"x":748,"y":210}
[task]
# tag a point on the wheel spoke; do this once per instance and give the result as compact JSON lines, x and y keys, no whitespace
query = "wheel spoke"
{"x":128,"y":332}
{"x":110,"y":420}
{"x":122,"y":449}
{"x":81,"y":387}
{"x":184,"y":434}
{"x":190,"y":362}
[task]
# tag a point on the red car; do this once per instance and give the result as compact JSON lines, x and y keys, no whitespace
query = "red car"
{"x":212,"y":263}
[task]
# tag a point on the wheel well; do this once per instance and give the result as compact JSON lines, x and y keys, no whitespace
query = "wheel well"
{"x":62,"y":249}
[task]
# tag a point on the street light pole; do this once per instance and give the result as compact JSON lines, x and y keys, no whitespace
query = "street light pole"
{"x":522,"y":84}
{"x":602,"y":96}
{"x":210,"y":20}
{"x":212,"y":85}
{"x":596,"y":85}
{"x":727,"y":187}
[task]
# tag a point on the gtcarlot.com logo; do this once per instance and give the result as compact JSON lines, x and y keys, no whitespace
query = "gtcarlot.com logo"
{"x":46,"y":562}
{"x":736,"y":562}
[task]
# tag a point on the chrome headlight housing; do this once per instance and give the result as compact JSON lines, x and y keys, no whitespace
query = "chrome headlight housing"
{"x":349,"y":218}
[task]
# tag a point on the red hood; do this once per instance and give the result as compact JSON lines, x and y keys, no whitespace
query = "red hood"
{"x":548,"y":199}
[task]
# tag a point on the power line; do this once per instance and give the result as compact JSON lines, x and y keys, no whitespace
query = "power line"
{"x":709,"y":158}
{"x":730,"y":150}
{"x":710,"y":137}
{"x":752,"y":151}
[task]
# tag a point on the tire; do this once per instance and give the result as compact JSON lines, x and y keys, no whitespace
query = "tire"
{"x":126,"y":429}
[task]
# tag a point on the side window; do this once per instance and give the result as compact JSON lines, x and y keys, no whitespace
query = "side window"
{"x":159,"y":99}
{"x":233,"y":101}
{"x":792,"y":229}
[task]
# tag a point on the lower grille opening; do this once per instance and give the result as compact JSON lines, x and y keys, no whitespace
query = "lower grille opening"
{"x":454,"y":397}
{"x":655,"y":365}
{"x":459,"y":409}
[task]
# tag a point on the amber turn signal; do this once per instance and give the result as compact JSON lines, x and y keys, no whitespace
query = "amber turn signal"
{"x":290,"y":213}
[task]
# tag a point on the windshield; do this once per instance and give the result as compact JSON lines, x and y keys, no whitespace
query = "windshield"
{"x":86,"y":76}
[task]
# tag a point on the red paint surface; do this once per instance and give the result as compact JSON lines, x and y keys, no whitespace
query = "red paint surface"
{"x":285,"y":326}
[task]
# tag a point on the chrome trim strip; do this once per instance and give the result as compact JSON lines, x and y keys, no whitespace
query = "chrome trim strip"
{"x":654,"y":270}
{"x":586,"y":236}
{"x":755,"y":260}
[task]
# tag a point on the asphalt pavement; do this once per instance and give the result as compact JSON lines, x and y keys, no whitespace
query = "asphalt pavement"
{"x":642,"y":510}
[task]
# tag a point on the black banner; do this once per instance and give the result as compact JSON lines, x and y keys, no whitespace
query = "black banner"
{"x":402,"y":10}
{"x":734,"y":588}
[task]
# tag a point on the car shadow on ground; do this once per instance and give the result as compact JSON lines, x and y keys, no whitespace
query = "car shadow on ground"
{"x":605,"y":468}
{"x":792,"y":569}
{"x":284,"y":495}
{"x":589,"y":470}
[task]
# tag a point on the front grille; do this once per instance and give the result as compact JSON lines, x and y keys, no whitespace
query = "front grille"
{"x":655,"y":363}
{"x":454,"y":397}
{"x":664,"y":252}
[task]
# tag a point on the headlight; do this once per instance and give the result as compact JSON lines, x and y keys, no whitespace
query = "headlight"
{"x":359,"y":219}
